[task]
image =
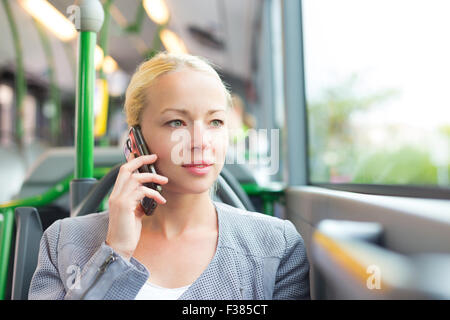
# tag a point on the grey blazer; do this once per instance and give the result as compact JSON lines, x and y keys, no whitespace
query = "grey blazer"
{"x":257,"y":257}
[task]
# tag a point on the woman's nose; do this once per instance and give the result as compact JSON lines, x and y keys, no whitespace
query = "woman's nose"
{"x":201,"y":138}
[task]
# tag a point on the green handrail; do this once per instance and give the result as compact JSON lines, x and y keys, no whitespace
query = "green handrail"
{"x":139,"y":19}
{"x":156,"y":45}
{"x":104,"y":33}
{"x":7,"y":215}
{"x":51,"y":194}
{"x":269,"y":195}
{"x":103,"y":43}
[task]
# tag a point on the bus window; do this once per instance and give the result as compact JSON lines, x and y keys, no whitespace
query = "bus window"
{"x":376,"y":77}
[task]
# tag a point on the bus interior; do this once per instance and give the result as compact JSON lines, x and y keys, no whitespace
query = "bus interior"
{"x":340,"y":125}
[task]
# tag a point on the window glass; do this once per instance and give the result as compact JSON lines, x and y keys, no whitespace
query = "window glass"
{"x":377,"y":77}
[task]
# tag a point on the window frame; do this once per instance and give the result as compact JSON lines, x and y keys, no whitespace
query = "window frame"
{"x":295,"y":106}
{"x":411,"y":191}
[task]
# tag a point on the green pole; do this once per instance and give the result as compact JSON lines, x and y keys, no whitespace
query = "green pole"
{"x":5,"y":249}
{"x":84,"y":132}
{"x":55,"y":121}
{"x":139,"y":19}
{"x":104,"y":36}
{"x":91,"y":20}
{"x":21,"y":86}
{"x":104,"y":32}
{"x":7,"y":216}
{"x":156,"y":45}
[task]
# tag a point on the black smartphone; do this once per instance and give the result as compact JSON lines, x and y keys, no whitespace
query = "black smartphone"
{"x":135,"y":144}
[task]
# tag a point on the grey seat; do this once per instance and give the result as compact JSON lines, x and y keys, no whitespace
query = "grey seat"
{"x":233,"y":183}
{"x":228,"y":191}
{"x":28,"y":236}
{"x":42,"y":175}
{"x":351,"y":262}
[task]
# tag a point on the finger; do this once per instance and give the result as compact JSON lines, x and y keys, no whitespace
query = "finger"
{"x":150,"y":193}
{"x":129,"y":168}
{"x":130,"y":157}
{"x":150,"y":177}
{"x":138,"y":162}
{"x":139,"y":211}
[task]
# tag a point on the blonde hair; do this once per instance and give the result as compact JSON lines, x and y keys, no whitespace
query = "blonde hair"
{"x":148,"y":71}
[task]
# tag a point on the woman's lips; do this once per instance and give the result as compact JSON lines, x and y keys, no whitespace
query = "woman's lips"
{"x":198,"y":169}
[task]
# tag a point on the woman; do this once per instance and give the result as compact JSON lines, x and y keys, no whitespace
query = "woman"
{"x":190,"y":247}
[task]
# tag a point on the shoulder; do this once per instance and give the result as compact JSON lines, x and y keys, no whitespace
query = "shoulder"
{"x":254,"y":233}
{"x":85,"y":231}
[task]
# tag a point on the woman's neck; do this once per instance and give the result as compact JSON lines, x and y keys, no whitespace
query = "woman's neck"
{"x":182,"y":213}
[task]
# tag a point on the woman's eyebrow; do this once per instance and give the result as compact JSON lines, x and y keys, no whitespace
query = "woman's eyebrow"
{"x":185,"y":111}
{"x":215,"y":110}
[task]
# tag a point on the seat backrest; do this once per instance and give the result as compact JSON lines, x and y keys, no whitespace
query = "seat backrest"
{"x":42,"y":175}
{"x":241,"y":172}
{"x":28,"y":236}
{"x":236,"y":188}
{"x":226,"y":194}
{"x":228,"y":191}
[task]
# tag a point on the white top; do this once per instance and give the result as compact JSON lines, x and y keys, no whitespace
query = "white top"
{"x":151,"y":291}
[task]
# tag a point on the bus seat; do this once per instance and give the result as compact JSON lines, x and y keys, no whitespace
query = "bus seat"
{"x":227,"y":195}
{"x":241,"y":172}
{"x":42,"y":175}
{"x":28,"y":236}
{"x":231,"y":180}
{"x":350,"y":262}
{"x":228,"y":191}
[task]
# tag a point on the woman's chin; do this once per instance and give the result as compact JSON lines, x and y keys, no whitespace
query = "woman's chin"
{"x":189,"y":182}
{"x":196,"y":187}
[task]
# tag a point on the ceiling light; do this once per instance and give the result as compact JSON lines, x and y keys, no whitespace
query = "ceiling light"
{"x":109,"y":65}
{"x":98,"y":57}
{"x":51,"y":18}
{"x":157,"y":10}
{"x":172,"y":42}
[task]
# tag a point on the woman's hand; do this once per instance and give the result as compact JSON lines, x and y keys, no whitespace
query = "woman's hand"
{"x":125,"y":210}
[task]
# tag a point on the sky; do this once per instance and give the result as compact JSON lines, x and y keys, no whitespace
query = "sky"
{"x":389,"y":44}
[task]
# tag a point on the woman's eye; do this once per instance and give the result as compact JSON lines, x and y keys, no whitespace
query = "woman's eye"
{"x":175,"y":123}
{"x":217,"y":123}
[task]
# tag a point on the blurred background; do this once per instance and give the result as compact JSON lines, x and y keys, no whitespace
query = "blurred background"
{"x":377,"y":104}
{"x":38,"y":66}
{"x":345,"y":105}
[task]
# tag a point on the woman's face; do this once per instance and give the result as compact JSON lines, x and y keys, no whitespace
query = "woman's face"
{"x":185,"y":124}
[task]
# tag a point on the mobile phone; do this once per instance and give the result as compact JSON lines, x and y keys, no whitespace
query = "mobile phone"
{"x":135,"y":144}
